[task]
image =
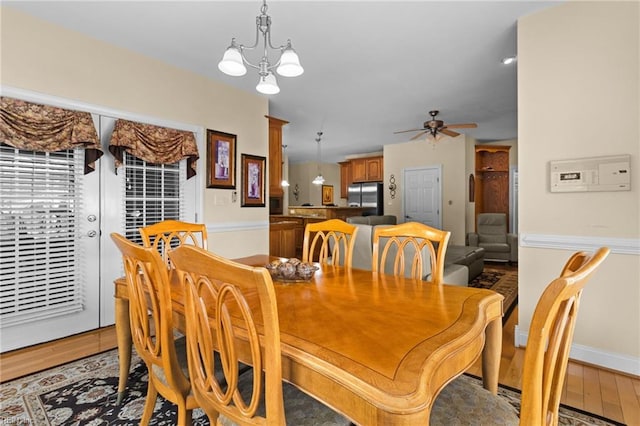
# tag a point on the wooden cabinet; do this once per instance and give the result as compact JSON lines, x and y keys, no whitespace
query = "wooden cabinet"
{"x":283,"y":238}
{"x":275,"y":156}
{"x":345,"y":178}
{"x":492,"y":179}
{"x":366,"y":169}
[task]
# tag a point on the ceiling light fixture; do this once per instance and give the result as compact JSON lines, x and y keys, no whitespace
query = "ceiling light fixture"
{"x":508,"y":60}
{"x":285,"y":182}
{"x":288,"y":64}
{"x":319,"y":180}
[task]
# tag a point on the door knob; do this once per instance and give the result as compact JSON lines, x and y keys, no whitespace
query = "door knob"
{"x":91,"y":234}
{"x":91,"y":218}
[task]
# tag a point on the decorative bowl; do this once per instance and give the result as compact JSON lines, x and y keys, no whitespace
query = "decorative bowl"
{"x":291,"y":270}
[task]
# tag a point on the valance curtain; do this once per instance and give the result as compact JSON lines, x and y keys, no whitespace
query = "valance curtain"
{"x":43,"y":128}
{"x":154,"y":144}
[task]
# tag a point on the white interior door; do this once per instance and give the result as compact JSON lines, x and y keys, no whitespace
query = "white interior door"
{"x":422,"y":199}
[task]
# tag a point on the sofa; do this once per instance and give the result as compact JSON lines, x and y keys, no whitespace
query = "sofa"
{"x":456,"y":257}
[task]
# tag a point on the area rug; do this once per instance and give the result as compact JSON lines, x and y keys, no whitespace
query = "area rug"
{"x":84,"y":393}
{"x":503,"y":282}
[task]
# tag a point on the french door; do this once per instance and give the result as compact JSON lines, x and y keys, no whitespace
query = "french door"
{"x":57,"y":259}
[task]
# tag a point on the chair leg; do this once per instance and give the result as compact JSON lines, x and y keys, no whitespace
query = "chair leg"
{"x":150,"y":403}
{"x":184,"y":415}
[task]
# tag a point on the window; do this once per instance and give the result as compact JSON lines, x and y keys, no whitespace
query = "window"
{"x":40,"y":195}
{"x":152,"y":194}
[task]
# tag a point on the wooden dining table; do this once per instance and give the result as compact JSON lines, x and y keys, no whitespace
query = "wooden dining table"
{"x":376,"y":348}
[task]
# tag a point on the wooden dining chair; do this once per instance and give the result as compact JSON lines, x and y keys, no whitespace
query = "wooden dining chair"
{"x":403,"y":250}
{"x":545,"y":360}
{"x":150,"y":312}
{"x":227,"y":305}
{"x":168,"y":234}
{"x":330,"y":241}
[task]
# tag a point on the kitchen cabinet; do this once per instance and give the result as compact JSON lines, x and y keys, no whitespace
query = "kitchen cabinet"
{"x":345,"y":178}
{"x":276,"y":193}
{"x":357,"y":170}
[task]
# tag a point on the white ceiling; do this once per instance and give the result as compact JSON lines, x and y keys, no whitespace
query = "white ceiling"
{"x":371,"y":67}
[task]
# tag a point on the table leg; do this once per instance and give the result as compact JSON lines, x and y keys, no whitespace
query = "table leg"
{"x":491,"y":355}
{"x":123,"y":334}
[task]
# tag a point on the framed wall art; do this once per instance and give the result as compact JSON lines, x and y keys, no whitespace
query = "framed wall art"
{"x":221,"y":160}
{"x":253,"y":183}
{"x":327,"y":195}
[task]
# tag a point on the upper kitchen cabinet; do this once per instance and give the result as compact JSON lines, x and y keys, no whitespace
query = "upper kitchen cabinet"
{"x":368,"y":169}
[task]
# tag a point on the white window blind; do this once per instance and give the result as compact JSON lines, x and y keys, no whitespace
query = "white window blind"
{"x":40,"y":196}
{"x":152,"y":194}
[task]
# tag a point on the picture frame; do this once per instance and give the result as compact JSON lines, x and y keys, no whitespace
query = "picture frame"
{"x":327,"y":195}
{"x":253,"y":180}
{"x":221,"y":160}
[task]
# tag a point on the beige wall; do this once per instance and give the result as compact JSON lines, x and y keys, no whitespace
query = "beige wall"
{"x":578,"y":96}
{"x":303,"y":174}
{"x":45,"y":58}
{"x":451,"y":154}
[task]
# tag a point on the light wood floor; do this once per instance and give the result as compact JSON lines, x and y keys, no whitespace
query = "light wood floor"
{"x":607,"y":393}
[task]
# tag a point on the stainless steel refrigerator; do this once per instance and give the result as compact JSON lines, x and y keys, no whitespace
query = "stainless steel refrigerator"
{"x":366,"y":195}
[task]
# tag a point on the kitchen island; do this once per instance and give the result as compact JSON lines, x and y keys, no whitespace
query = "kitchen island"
{"x":286,"y":232}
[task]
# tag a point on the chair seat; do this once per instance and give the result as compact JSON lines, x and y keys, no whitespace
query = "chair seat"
{"x":465,"y":402}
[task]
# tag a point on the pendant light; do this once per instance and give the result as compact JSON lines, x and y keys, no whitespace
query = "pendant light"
{"x":285,"y":182}
{"x":319,"y":180}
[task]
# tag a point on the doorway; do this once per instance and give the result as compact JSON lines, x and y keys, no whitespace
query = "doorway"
{"x":422,"y":200}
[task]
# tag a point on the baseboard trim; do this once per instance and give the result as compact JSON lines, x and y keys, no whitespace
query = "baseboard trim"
{"x":610,"y":360}
{"x":237,"y":226}
{"x":575,"y":242}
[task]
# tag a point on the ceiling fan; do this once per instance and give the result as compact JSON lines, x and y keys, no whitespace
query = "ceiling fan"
{"x":433,"y":127}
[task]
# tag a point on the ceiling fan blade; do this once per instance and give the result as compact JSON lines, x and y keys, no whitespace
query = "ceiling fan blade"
{"x":462,"y":126}
{"x":418,"y":135}
{"x":449,"y":132}
{"x":405,"y":131}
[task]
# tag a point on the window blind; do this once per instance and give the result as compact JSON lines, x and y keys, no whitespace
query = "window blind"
{"x":40,"y":195}
{"x":152,"y":194}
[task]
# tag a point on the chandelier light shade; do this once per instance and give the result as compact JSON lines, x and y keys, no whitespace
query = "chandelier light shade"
{"x":234,"y":61}
{"x":319,"y":180}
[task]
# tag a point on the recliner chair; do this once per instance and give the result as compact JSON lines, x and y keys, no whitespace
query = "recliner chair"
{"x":491,"y":234}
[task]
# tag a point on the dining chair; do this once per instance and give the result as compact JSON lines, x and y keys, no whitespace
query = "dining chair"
{"x":330,"y":241}
{"x":220,"y":319}
{"x":404,"y":250}
{"x":545,"y":359}
{"x":150,"y":312}
{"x":168,"y":234}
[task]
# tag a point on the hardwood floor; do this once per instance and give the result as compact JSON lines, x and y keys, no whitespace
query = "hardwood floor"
{"x":596,"y":390}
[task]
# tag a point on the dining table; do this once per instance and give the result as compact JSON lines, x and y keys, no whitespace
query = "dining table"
{"x":377,"y":348}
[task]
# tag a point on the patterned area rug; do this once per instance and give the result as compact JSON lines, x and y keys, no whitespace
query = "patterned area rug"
{"x":84,"y":392}
{"x":503,"y":282}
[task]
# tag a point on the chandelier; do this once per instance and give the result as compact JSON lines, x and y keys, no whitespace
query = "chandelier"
{"x":288,"y":64}
{"x":319,"y":180}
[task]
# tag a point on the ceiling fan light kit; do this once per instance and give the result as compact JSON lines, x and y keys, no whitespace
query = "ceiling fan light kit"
{"x":287,"y":65}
